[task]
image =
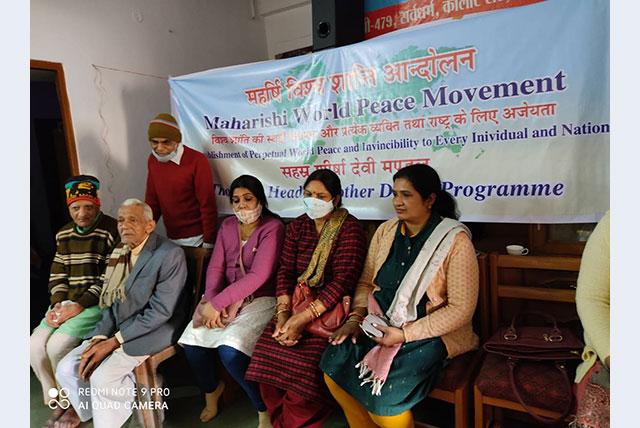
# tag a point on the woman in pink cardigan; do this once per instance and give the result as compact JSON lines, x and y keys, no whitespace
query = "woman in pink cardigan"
{"x":239,"y":297}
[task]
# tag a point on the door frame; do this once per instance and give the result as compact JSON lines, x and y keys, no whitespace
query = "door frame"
{"x":65,"y":110}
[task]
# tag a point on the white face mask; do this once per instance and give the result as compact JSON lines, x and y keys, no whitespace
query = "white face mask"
{"x":317,"y":208}
{"x":249,"y":216}
{"x":165,"y":158}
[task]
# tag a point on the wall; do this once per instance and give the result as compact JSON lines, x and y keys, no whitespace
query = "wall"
{"x":287,"y":24}
{"x":117,"y":55}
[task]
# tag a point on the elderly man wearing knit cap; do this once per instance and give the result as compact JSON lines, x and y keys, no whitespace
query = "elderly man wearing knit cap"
{"x":180,"y":186}
{"x":83,"y":247}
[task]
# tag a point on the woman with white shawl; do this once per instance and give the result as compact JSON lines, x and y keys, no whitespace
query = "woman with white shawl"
{"x":421,"y":278}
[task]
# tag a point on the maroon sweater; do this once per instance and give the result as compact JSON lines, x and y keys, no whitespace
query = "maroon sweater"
{"x":183,"y":195}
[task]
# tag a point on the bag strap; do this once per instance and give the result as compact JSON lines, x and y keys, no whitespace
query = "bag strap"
{"x":244,"y":272}
{"x":241,"y":264}
{"x":511,"y":362}
{"x":555,"y":335}
{"x":240,"y":252}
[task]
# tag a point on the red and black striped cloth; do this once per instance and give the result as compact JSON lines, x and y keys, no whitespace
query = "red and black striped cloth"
{"x":296,"y":368}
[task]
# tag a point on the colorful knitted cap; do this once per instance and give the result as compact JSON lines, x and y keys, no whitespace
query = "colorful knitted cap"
{"x":164,"y":126}
{"x":82,"y":188}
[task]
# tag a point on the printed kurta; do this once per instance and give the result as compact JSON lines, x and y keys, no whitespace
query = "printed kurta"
{"x":296,"y":368}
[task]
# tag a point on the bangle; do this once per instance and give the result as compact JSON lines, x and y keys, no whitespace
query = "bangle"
{"x":314,"y":310}
{"x":351,"y":320}
{"x":282,"y":307}
{"x":280,"y":311}
{"x":355,"y":314}
{"x":356,"y":317}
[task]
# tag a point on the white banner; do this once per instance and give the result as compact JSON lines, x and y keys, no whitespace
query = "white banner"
{"x":511,"y":108}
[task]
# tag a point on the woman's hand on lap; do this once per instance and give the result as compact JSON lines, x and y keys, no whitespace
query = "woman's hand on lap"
{"x":280,"y":321}
{"x":292,"y":329}
{"x":348,"y":329}
{"x":392,"y":336}
{"x":211,"y":317}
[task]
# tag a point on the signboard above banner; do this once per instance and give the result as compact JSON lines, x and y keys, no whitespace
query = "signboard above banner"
{"x":515,"y":119}
{"x":383,"y":16}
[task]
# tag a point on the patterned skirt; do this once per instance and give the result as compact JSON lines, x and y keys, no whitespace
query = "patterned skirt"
{"x":292,"y":368}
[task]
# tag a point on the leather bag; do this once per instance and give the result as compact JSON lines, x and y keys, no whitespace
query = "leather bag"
{"x":520,"y":344}
{"x":327,"y":323}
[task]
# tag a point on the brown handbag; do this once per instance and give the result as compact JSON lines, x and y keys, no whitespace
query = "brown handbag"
{"x":522,"y":344}
{"x":327,"y":323}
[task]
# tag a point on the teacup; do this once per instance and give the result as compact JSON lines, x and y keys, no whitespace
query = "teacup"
{"x":583,"y":235}
{"x":517,"y":250}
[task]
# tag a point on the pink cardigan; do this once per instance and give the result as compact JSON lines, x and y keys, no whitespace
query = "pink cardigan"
{"x":260,"y":255}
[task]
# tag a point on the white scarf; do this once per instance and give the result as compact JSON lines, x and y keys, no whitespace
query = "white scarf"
{"x":374,"y":367}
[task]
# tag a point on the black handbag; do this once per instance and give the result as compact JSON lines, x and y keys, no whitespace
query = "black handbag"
{"x":520,"y":344}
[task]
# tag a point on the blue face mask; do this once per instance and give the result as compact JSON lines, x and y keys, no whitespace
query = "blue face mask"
{"x":165,"y":158}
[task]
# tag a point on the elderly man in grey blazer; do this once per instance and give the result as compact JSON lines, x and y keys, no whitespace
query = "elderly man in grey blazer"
{"x":143,"y":313}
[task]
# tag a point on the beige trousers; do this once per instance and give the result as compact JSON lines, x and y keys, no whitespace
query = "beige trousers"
{"x":47,"y":348}
{"x":108,"y":395}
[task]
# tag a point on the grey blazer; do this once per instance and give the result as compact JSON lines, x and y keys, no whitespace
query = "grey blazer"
{"x":152,"y":315}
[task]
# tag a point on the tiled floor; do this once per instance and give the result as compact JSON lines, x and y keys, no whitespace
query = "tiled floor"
{"x":183,"y":411}
{"x":185,"y":403}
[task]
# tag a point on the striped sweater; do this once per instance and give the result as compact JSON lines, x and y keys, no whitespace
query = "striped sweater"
{"x":77,"y":271}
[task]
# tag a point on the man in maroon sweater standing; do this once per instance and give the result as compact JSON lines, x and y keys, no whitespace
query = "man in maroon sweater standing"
{"x":180,"y":186}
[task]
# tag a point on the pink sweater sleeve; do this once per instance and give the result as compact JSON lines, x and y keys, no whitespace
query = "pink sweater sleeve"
{"x":216,"y":268}
{"x":263,"y":267}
